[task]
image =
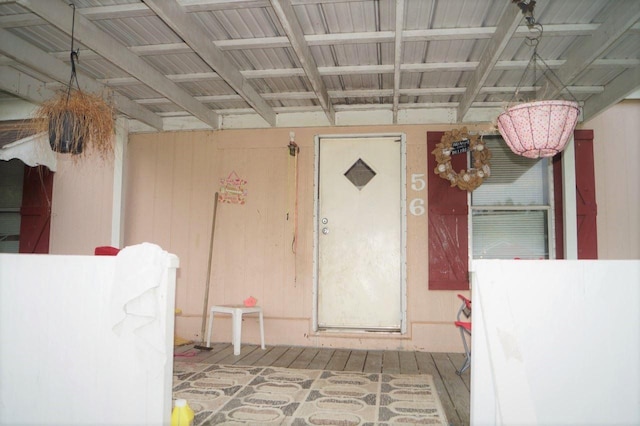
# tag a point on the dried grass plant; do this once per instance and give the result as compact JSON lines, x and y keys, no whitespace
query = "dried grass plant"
{"x":92,"y":119}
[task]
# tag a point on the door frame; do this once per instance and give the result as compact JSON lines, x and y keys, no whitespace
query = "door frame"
{"x":403,"y":224}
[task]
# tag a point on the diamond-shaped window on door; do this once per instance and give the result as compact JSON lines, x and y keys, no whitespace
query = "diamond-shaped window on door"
{"x":360,"y":174}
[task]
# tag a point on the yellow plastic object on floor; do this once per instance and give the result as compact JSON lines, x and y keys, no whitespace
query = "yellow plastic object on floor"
{"x":182,"y":414}
{"x":177,"y":340}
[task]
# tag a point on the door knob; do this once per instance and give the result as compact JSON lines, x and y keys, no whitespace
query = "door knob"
{"x":325,"y":231}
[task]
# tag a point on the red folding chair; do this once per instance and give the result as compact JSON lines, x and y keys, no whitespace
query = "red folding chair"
{"x":465,"y":331}
{"x":106,"y":251}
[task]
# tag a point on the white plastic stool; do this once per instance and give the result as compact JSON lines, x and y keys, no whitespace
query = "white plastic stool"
{"x":236,"y":312}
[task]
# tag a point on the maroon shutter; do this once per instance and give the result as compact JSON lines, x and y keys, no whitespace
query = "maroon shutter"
{"x":587,"y":209}
{"x":585,"y":198}
{"x":36,"y":210}
{"x":557,"y":197}
{"x":448,"y":227}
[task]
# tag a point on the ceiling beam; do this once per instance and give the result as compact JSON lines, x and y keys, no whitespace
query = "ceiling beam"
{"x":397,"y":57}
{"x":29,"y":55}
{"x":11,"y":21}
{"x":23,"y":86}
{"x":192,"y":33}
{"x":133,"y":10}
{"x":60,"y":15}
{"x":583,"y":55}
{"x":373,"y":93}
{"x":353,"y":107}
{"x":507,"y":26}
{"x":211,"y":5}
{"x":365,"y":69}
{"x":614,"y":92}
{"x":289,"y":21}
{"x":433,"y":34}
{"x":439,"y":34}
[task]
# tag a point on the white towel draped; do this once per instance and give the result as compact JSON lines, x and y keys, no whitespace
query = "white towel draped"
{"x":136,"y":311}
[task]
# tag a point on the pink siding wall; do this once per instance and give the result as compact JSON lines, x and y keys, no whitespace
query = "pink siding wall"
{"x":172,"y":178}
{"x":616,"y":146}
{"x":170,"y":183}
{"x":82,"y":203}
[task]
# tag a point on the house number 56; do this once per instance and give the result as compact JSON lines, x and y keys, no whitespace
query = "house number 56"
{"x":416,"y":205}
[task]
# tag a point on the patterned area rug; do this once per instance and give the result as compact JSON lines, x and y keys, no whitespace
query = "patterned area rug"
{"x":221,"y":394}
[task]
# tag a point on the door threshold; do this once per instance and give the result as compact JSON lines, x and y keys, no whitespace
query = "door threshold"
{"x":333,"y":330}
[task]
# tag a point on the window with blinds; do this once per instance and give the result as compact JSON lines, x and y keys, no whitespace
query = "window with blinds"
{"x":511,"y":210}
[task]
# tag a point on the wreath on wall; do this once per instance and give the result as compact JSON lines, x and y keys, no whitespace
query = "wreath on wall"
{"x":459,"y":141}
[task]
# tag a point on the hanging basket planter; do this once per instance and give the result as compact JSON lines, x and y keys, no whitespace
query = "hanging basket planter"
{"x":539,"y":129}
{"x":63,"y":136}
{"x":76,"y":121}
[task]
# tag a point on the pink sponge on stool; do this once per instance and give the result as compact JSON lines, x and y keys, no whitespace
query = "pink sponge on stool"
{"x":250,"y":301}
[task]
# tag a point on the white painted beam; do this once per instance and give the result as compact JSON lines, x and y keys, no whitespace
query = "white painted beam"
{"x":361,"y":69}
{"x":432,"y":34}
{"x":445,"y":34}
{"x":439,"y":34}
{"x":209,"y":5}
{"x":15,"y":108}
{"x":623,"y":85}
{"x":507,"y":26}
{"x":23,"y":85}
{"x":610,"y":31}
{"x":569,"y":210}
{"x":397,"y":57}
{"x":60,"y":15}
{"x":313,"y":116}
{"x":118,"y":206}
{"x":289,"y":21}
{"x":21,"y":20}
{"x":191,"y":32}
{"x":29,"y":55}
{"x":119,"y":11}
{"x":373,"y":93}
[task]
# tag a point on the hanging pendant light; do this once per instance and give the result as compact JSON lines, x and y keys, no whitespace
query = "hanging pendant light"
{"x":540,"y":128}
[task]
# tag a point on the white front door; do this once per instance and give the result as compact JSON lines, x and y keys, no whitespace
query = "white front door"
{"x":360,"y":233}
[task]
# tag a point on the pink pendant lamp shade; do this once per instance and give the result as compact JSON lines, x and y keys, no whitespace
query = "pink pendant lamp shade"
{"x":539,"y":129}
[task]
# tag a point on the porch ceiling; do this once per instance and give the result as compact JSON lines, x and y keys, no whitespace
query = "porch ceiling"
{"x":280,"y":63}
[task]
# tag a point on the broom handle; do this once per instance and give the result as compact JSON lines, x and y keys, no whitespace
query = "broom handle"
{"x":206,"y":290}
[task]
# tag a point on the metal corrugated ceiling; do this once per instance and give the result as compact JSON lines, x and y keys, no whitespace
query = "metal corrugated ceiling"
{"x":321,"y":62}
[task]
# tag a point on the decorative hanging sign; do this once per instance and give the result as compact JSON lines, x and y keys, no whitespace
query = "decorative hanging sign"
{"x":460,"y":141}
{"x":232,"y":190}
{"x":458,"y":147}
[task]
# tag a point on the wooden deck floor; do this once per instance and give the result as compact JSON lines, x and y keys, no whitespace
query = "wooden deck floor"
{"x":454,"y":390}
